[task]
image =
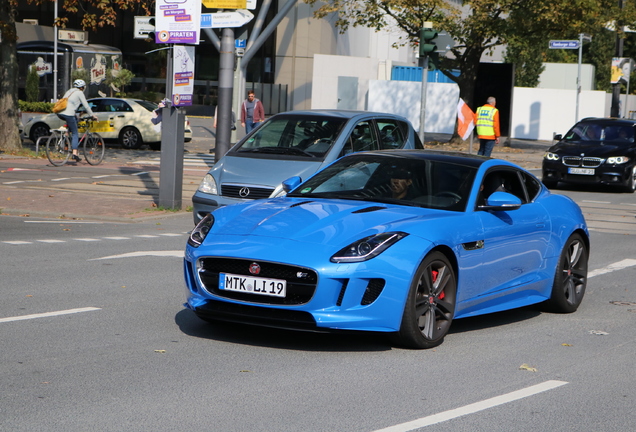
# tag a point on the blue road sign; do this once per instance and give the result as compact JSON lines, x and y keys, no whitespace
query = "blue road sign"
{"x":206,"y":20}
{"x":564,"y":44}
{"x":240,"y":43}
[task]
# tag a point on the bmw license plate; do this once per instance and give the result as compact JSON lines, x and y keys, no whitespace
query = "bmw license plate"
{"x":252,"y":285}
{"x":584,"y":171}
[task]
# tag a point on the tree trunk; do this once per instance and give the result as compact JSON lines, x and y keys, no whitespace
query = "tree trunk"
{"x":10,"y":136}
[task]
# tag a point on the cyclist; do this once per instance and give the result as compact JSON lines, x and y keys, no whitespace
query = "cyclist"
{"x":75,"y":97}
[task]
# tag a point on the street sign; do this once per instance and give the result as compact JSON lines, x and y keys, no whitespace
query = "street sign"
{"x":226,"y":19}
{"x":240,"y":43}
{"x":225,"y":4}
{"x":564,"y":44}
{"x":444,"y":42}
{"x":143,"y":27}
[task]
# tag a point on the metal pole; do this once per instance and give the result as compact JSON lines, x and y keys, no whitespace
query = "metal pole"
{"x":226,"y":85}
{"x":578,"y":77}
{"x":423,"y":98}
{"x":55,"y":54}
{"x":627,"y":91}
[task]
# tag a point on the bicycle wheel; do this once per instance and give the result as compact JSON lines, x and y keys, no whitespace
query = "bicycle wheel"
{"x":94,"y":149}
{"x":58,"y":149}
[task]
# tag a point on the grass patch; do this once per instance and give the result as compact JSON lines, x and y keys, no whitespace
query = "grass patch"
{"x":28,"y":153}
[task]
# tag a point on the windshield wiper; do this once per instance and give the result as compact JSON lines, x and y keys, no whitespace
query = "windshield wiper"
{"x":279,"y":150}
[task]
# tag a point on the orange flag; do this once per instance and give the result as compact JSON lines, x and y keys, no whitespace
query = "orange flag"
{"x":465,"y":119}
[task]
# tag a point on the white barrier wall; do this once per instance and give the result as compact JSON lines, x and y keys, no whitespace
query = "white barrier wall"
{"x":539,"y":113}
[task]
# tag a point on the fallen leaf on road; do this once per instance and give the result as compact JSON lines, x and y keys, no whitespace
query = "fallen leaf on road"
{"x":527,"y":367}
{"x":51,"y":196}
{"x":9,"y":199}
{"x":160,"y":351}
{"x":566,"y":344}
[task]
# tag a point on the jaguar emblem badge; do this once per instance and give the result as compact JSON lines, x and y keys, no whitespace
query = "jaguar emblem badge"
{"x":255,"y":268}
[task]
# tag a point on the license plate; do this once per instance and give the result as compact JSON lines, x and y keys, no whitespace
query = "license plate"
{"x":584,"y":171}
{"x":253,"y":285}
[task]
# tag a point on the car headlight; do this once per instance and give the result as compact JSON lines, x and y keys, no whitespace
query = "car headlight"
{"x":617,"y":160}
{"x":368,"y":247}
{"x":200,"y":232}
{"x":551,"y":156}
{"x":208,"y":185}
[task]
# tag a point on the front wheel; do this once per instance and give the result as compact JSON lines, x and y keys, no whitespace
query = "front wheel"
{"x":94,"y":149}
{"x":570,"y":279}
{"x":58,"y":149}
{"x":430,"y":305}
{"x":630,"y":184}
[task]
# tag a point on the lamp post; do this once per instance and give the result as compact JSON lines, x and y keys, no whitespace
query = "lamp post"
{"x":55,"y":53}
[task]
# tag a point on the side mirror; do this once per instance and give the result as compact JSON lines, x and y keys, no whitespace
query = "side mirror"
{"x":501,"y":201}
{"x":557,"y":137}
{"x":291,"y":183}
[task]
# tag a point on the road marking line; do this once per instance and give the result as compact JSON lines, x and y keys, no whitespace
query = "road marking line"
{"x":17,"y":242}
{"x":13,"y":182}
{"x":147,"y":236}
{"x":596,"y":202}
{"x":168,"y":253}
{"x":87,"y":239}
{"x":62,"y":221}
{"x":140,"y":173}
{"x":117,"y":238}
{"x":475,"y":407}
{"x":60,"y":179}
{"x":52,"y":241}
{"x":170,"y":235}
{"x":49,"y":314}
{"x":620,"y":265}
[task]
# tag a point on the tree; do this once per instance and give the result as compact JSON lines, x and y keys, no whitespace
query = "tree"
{"x":478,"y":26}
{"x":32,"y":85}
{"x":94,"y":13}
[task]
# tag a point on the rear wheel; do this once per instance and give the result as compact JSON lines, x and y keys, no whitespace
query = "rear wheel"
{"x":630,"y":184}
{"x":39,"y":130}
{"x":94,"y":149}
{"x":570,"y":278}
{"x":430,"y":305}
{"x":130,"y":138}
{"x":58,"y":149}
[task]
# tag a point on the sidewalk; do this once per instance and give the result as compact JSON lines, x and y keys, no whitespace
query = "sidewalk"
{"x":125,"y":188}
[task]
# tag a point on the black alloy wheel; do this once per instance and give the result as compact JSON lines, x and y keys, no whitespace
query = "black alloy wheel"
{"x":570,"y":279}
{"x":130,"y":138}
{"x":430,"y":305}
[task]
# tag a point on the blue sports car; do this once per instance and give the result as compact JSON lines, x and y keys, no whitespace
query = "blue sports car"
{"x":400,"y":241}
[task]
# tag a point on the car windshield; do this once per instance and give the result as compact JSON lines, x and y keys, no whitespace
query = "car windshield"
{"x":150,"y":106}
{"x":601,"y":132}
{"x":395,"y":180}
{"x":309,"y":137}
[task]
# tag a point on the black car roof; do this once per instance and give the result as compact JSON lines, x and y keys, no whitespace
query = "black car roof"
{"x":608,"y":120}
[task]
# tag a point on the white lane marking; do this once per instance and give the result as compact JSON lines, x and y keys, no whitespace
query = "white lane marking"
{"x":146,"y":236}
{"x":17,"y":242}
{"x":60,"y":179}
{"x":62,"y":221}
{"x":596,"y":202}
{"x":171,"y":234}
{"x":620,"y":265}
{"x":168,"y":253}
{"x":49,"y":314}
{"x":52,"y":241}
{"x":475,"y":407}
{"x":140,"y":173}
{"x":87,"y":239}
{"x":13,"y":182}
{"x":101,"y":176}
{"x":117,"y":238}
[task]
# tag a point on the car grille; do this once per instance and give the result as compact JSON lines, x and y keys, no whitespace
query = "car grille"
{"x":246,"y":192}
{"x":586,"y":162}
{"x":301,"y":281}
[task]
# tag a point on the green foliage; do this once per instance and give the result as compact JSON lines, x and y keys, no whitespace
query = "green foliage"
{"x":82,"y":74}
{"x":118,"y":81}
{"x":32,"y":85}
{"x":43,"y":107}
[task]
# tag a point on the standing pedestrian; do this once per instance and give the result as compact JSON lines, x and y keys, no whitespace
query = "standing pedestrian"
{"x":75,"y":97}
{"x":252,"y":112}
{"x":487,"y":121}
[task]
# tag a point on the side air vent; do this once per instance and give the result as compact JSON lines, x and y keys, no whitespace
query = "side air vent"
{"x":373,"y":291}
{"x":370,"y":209}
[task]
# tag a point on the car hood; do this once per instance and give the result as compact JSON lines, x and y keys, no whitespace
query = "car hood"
{"x":319,"y":221}
{"x":263,"y":172}
{"x":591,"y":149}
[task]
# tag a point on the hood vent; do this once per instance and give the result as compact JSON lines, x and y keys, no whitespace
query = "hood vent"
{"x":370,"y":209}
{"x":299,"y":204}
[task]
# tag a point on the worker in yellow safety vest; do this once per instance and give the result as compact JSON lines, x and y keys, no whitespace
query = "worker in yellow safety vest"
{"x":487,"y":121}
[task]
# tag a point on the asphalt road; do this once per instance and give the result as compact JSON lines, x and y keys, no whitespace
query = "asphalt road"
{"x":124,"y":355}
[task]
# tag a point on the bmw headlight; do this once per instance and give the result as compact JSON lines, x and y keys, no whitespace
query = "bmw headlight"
{"x":367,"y":248}
{"x":617,"y":160}
{"x":200,"y":232}
{"x":551,"y":156}
{"x":208,"y":185}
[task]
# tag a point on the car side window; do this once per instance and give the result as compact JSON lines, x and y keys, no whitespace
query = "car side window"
{"x":501,"y":181}
{"x":533,"y":186}
{"x":96,"y":106}
{"x":363,"y":137}
{"x":391,"y":136}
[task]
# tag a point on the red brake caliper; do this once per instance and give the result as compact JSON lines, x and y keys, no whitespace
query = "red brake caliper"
{"x":434,"y":274}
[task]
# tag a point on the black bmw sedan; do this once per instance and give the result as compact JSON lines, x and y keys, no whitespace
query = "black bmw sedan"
{"x":594,"y":151}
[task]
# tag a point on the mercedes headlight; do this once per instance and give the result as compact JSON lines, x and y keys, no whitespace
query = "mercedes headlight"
{"x":208,"y":185}
{"x":367,"y":248}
